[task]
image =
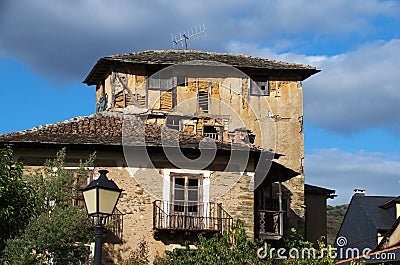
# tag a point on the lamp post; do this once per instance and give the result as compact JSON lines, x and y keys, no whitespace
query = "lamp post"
{"x":101,"y":197}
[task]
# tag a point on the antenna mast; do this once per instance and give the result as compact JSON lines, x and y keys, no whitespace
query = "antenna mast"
{"x":185,"y":36}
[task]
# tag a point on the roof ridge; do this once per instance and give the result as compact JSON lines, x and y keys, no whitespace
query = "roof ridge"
{"x":209,"y":53}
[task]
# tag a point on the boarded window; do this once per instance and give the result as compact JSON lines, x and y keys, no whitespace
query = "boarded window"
{"x":166,"y":101}
{"x":189,"y":128}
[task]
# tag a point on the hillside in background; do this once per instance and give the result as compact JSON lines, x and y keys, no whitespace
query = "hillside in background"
{"x":335,"y":215}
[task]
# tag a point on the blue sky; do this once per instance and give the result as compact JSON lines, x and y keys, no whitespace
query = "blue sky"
{"x":352,"y":123}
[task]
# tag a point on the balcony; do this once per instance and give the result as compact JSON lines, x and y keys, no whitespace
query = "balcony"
{"x":270,"y":224}
{"x":214,"y":136}
{"x":203,"y":217}
{"x":114,"y":226}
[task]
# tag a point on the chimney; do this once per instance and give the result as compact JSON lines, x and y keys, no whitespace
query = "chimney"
{"x":359,"y":192}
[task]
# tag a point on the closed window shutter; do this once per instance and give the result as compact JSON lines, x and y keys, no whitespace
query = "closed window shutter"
{"x":203,"y":101}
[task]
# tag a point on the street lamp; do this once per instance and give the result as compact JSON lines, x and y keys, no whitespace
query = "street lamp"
{"x":101,"y":197}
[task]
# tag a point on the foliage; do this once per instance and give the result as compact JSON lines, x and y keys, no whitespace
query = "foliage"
{"x":235,"y":248}
{"x":305,"y":252}
{"x":335,"y":215}
{"x":57,"y":230}
{"x":140,"y":255}
{"x":231,"y":248}
{"x":16,"y":204}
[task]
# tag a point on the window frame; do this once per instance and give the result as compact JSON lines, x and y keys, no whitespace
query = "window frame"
{"x":187,"y":203}
{"x":256,"y":88}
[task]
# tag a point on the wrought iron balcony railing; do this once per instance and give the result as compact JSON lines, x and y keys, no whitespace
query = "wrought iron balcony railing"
{"x":209,"y":217}
{"x":114,"y":225}
{"x":215,"y":136}
{"x":270,"y":224}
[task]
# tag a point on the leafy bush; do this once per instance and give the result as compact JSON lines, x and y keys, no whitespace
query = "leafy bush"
{"x":16,"y":197}
{"x":234,"y":248}
{"x":139,"y":256}
{"x":57,"y":231}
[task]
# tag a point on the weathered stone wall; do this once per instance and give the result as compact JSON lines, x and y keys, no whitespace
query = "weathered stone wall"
{"x":287,"y":104}
{"x":136,"y":203}
{"x":276,"y":120}
{"x":239,"y":202}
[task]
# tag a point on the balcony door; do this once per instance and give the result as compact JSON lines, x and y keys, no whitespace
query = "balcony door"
{"x":186,"y":201}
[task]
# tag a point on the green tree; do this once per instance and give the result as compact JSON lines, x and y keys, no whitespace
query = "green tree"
{"x":57,"y":230}
{"x":16,"y":200}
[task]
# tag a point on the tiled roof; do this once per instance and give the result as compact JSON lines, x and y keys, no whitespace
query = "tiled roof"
{"x":93,"y":129}
{"x":179,"y":56}
{"x":171,"y":57}
{"x":379,"y":217}
{"x":111,"y":128}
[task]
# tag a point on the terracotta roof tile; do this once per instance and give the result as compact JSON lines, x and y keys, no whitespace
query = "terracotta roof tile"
{"x":108,"y":128}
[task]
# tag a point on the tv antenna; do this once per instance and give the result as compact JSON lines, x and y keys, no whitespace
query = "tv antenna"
{"x":186,"y":35}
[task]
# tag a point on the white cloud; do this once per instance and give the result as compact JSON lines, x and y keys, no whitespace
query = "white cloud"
{"x":64,"y":38}
{"x":333,"y":168}
{"x":357,"y":90}
{"x":354,"y":91}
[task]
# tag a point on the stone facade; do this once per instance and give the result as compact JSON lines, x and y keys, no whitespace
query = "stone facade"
{"x":282,"y":130}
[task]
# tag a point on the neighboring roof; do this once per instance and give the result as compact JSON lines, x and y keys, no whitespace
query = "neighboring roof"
{"x":247,"y":64}
{"x":363,"y":220}
{"x":379,"y":217}
{"x":112,"y":128}
{"x":319,"y":190}
{"x":390,"y":203}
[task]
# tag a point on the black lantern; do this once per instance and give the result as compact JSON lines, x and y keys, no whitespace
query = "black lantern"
{"x":101,"y":197}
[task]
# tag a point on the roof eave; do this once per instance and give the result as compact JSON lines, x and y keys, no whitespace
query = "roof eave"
{"x":104,"y":64}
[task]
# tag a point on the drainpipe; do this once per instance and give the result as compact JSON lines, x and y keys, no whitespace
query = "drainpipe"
{"x":280,"y":209}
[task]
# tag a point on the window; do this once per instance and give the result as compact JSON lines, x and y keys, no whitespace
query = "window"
{"x":203,"y":101}
{"x":82,"y":179}
{"x":164,"y":84}
{"x":212,"y":132}
{"x":173,"y":122}
{"x":181,"y":81}
{"x":166,"y":102}
{"x":186,"y":194}
{"x":259,"y":88}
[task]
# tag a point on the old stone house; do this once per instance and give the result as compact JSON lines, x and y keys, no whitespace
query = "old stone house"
{"x":196,"y":139}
